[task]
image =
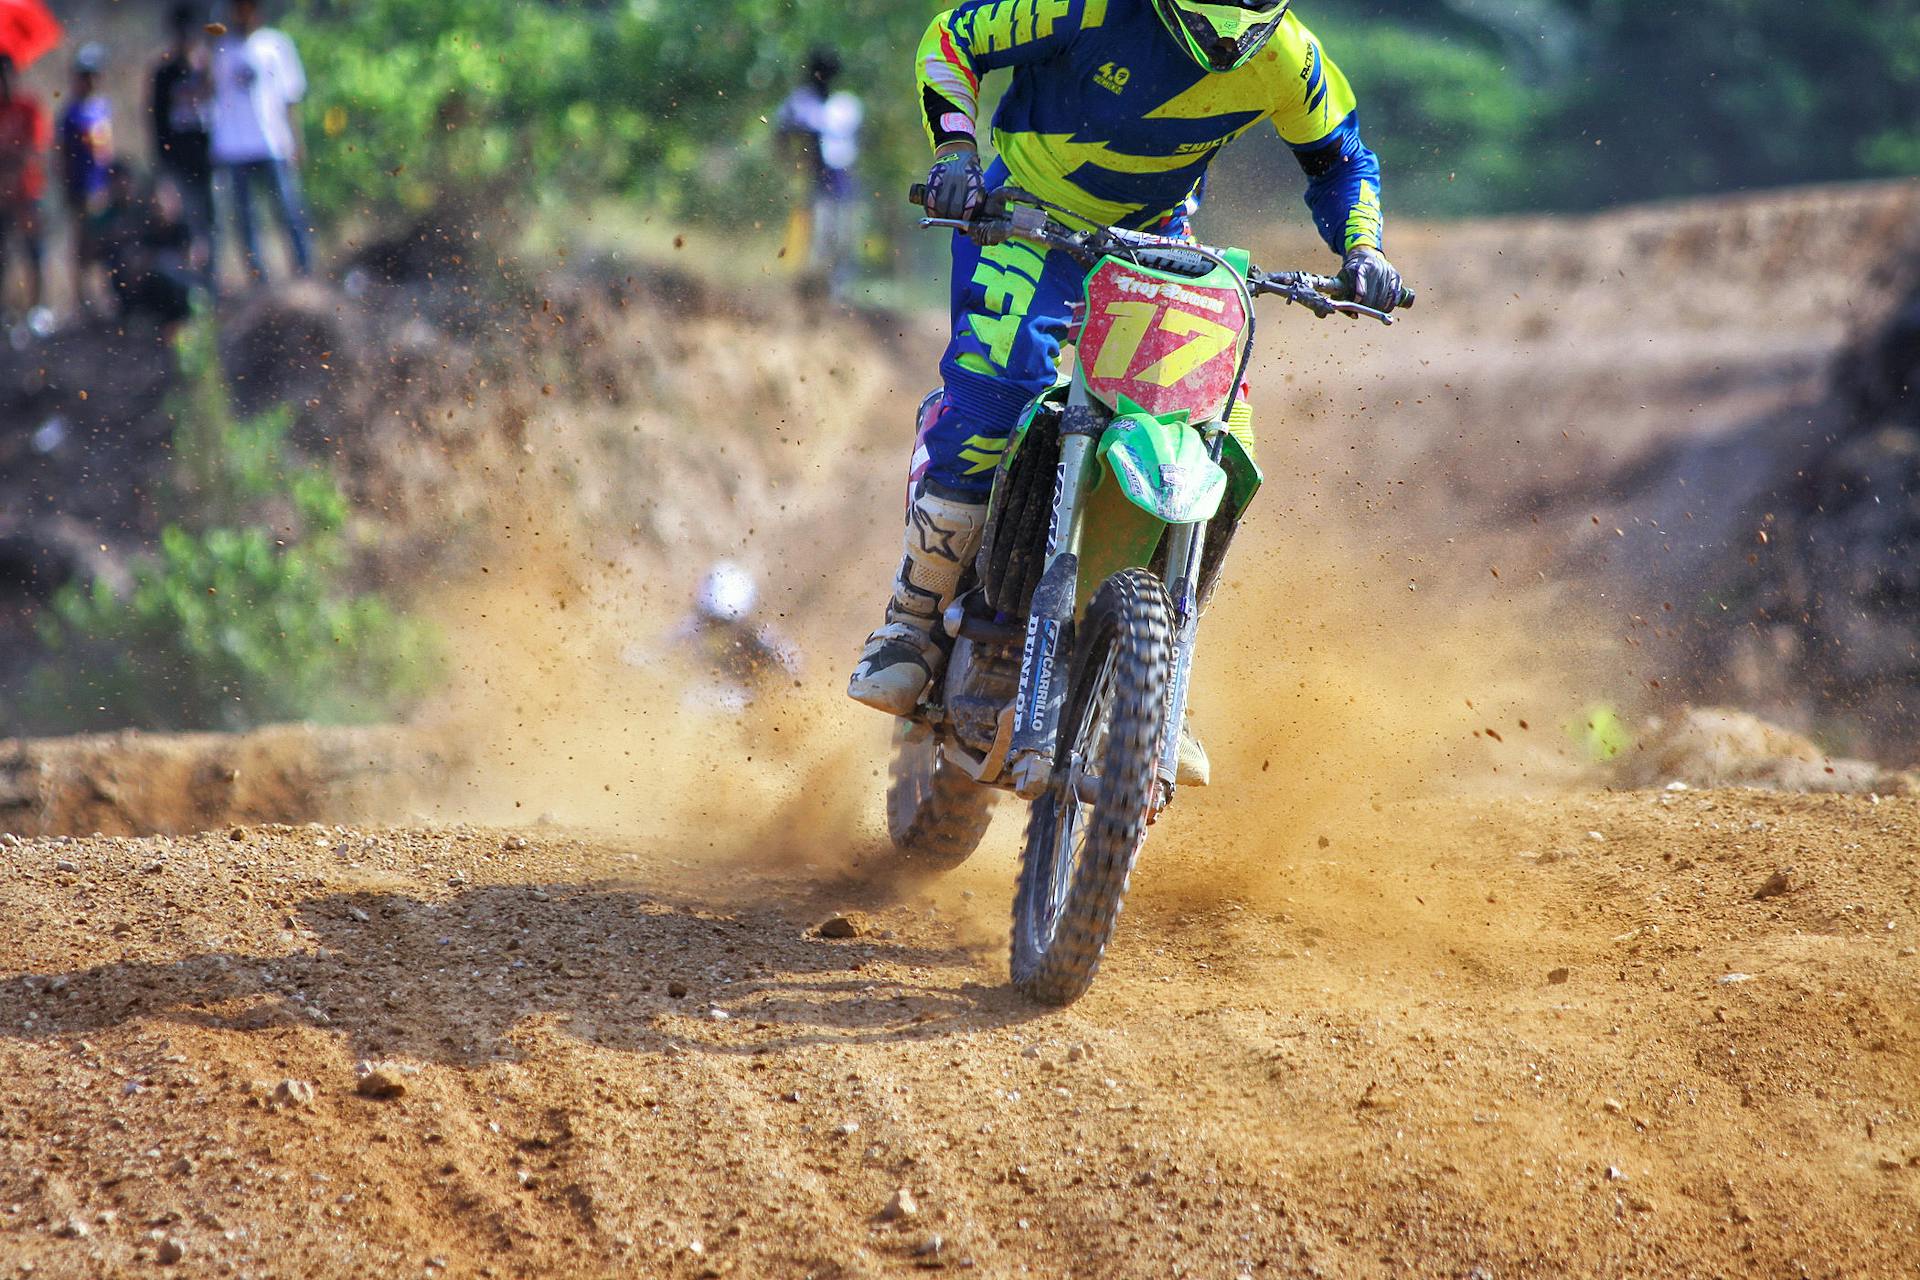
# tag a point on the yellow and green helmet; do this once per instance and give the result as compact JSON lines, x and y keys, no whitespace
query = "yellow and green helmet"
{"x":1222,"y":34}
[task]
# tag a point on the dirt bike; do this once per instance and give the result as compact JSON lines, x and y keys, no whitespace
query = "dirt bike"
{"x":1073,"y":635}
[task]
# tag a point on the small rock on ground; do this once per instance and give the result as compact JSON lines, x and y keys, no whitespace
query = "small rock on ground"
{"x":379,"y":1080}
{"x":293,"y":1093}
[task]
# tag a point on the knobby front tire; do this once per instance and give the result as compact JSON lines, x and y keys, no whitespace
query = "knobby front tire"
{"x":1079,"y":856}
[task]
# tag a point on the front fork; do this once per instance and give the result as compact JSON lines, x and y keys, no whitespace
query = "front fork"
{"x":1186,"y":548}
{"x":1043,"y":666}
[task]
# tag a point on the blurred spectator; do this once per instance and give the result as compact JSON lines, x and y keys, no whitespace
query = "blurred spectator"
{"x":25,"y":135}
{"x":145,"y":246}
{"x":180,"y":106}
{"x":86,"y":151}
{"x":820,"y":130}
{"x":257,"y":87}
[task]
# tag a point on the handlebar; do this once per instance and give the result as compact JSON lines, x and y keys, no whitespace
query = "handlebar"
{"x":1322,"y":295}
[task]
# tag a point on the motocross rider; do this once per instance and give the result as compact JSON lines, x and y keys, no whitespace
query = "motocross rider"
{"x":1115,"y":111}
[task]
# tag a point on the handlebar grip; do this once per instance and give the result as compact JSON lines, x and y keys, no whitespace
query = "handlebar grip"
{"x":1343,"y":294}
{"x":917,"y":194}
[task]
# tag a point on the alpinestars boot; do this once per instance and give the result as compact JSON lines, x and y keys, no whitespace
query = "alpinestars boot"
{"x":902,"y":658}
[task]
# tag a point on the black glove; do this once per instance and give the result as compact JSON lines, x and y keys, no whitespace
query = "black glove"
{"x":1370,"y":278}
{"x":956,"y":187}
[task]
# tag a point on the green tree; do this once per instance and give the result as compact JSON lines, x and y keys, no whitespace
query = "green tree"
{"x":243,"y":615}
{"x":1452,"y":121}
{"x":1600,"y":101}
{"x":506,"y":106}
{"x":513,"y":104}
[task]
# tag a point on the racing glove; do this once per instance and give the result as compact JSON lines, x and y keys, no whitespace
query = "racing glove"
{"x":956,"y":187}
{"x":1370,"y":278}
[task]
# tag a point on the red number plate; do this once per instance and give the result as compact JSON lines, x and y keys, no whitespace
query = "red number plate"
{"x":1163,"y":344}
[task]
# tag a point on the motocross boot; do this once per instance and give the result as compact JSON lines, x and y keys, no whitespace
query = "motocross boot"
{"x":903,"y":658}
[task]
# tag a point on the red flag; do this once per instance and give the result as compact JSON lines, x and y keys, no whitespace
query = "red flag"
{"x":27,"y":30}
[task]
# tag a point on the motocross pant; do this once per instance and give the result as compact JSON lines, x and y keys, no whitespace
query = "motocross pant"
{"x":1011,"y":307}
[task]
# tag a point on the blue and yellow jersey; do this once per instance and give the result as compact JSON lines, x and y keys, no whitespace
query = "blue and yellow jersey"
{"x":1108,"y":118}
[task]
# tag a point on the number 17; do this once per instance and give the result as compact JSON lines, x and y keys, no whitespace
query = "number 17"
{"x":1131,"y":323}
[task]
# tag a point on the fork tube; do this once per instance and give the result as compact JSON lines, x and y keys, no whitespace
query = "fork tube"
{"x":1186,"y":546}
{"x":1043,"y":686}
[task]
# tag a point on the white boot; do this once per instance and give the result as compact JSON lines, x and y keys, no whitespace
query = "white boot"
{"x":902,"y":658}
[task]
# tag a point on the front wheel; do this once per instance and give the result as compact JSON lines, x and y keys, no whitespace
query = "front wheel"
{"x":1085,"y":832}
{"x":936,"y":814}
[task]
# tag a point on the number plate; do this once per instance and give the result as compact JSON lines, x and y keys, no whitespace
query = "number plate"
{"x":1164,"y":344}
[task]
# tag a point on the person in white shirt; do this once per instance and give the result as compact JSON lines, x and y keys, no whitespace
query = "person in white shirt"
{"x":820,"y":129}
{"x":257,"y":87}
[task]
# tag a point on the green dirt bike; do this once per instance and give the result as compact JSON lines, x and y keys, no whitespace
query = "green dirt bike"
{"x":1073,"y":635}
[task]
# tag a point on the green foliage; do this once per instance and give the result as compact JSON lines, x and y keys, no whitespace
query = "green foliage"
{"x":1570,"y":104}
{"x":223,"y":465}
{"x":1450,"y":121}
{"x":232,"y":624}
{"x":1476,"y":105}
{"x":513,"y":104}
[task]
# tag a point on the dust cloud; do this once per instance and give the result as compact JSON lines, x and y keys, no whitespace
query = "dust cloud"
{"x":1330,"y":683}
{"x":1330,"y":686}
{"x":576,"y":704}
{"x":1389,"y":622}
{"x":574,"y":699}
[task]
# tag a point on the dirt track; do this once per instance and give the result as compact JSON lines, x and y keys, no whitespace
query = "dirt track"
{"x":1453,"y":1039}
{"x":1380,"y":1005}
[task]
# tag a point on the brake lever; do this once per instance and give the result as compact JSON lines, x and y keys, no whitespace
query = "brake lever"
{"x":1021,"y":221}
{"x":1312,"y":299}
{"x":1322,"y":306}
{"x":1355,"y":309}
{"x":1319,"y":303}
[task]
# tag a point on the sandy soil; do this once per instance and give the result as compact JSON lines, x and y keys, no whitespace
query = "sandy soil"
{"x":1406,"y":994}
{"x":1525,"y":1037}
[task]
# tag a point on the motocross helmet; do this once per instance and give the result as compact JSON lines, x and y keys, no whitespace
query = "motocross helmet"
{"x":727,"y":593}
{"x":1222,"y":34}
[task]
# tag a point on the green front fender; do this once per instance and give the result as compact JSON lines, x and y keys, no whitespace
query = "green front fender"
{"x":1162,"y":467}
